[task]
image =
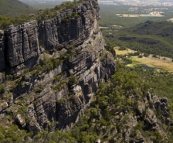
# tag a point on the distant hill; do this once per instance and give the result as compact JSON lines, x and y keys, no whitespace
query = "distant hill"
{"x":151,"y":37}
{"x":161,"y":29}
{"x":13,"y":8}
{"x":148,"y":37}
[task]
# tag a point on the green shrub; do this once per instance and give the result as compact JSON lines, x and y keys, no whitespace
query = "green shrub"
{"x":75,"y":15}
{"x":73,"y":80}
{"x":140,"y":56}
{"x":11,"y":134}
{"x":2,"y":89}
{"x":39,"y":89}
{"x":9,"y":77}
{"x":8,"y":96}
{"x":40,"y":15}
{"x":59,"y":85}
{"x":65,"y":19}
{"x":22,"y":110}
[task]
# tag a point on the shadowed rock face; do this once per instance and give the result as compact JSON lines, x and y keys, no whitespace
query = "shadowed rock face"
{"x":64,"y":68}
{"x":2,"y":58}
{"x":22,"y":43}
{"x":71,"y":26}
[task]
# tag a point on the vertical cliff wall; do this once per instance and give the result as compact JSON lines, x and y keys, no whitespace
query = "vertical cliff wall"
{"x":2,"y":46}
{"x":22,"y":43}
{"x":54,"y":68}
{"x":72,"y":26}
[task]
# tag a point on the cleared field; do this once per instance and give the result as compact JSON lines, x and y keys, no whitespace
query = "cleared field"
{"x":171,"y":19}
{"x":117,"y":26}
{"x":151,"y":14}
{"x":103,"y":27}
{"x":109,"y":17}
{"x":123,"y":52}
{"x":166,"y":65}
{"x":162,"y":63}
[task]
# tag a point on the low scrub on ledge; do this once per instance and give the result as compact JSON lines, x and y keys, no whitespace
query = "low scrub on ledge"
{"x":41,"y":15}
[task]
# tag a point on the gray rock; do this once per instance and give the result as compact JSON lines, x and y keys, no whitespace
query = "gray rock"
{"x":141,"y":107}
{"x":87,"y":61}
{"x":3,"y":106}
{"x":2,"y":77}
{"x":22,"y":43}
{"x":138,"y":138}
{"x":62,"y":30}
{"x":20,"y":120}
{"x":2,"y":47}
{"x":150,"y":118}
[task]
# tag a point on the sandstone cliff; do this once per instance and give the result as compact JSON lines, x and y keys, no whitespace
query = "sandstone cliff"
{"x":51,"y":70}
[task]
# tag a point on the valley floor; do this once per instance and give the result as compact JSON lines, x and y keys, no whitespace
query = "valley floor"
{"x":160,"y":63}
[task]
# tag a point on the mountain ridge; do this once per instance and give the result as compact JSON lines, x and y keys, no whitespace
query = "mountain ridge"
{"x":57,"y":75}
{"x":13,"y":8}
{"x":57,"y":64}
{"x":148,"y":37}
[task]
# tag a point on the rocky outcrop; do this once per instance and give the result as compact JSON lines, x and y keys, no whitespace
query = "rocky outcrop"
{"x":71,"y":26}
{"x":127,"y":125}
{"x":53,"y":71}
{"x":66,"y":104}
{"x":2,"y":46}
{"x":59,"y":65}
{"x":22,"y":43}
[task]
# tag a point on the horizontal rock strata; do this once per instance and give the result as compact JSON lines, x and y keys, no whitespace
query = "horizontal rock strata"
{"x":54,"y":68}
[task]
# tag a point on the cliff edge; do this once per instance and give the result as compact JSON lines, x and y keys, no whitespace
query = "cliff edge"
{"x":51,"y":70}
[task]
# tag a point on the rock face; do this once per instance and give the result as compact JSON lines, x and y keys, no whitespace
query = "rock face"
{"x":71,"y":26}
{"x":22,"y":43}
{"x":59,"y":64}
{"x":2,"y":46}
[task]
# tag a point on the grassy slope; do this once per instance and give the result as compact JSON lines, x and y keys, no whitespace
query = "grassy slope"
{"x":162,"y":63}
{"x":12,"y":8}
